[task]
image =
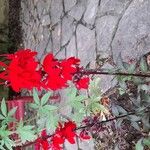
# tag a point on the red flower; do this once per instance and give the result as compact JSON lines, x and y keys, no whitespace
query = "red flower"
{"x":42,"y":142}
{"x":69,"y":67}
{"x":58,"y":72}
{"x":84,"y":135}
{"x":22,"y":70}
{"x":82,"y":83}
{"x":62,"y":133}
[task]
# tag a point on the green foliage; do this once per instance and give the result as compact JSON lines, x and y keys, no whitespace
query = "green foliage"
{"x":77,"y":104}
{"x":5,"y":141}
{"x":45,"y":112}
{"x":25,"y":132}
{"x":5,"y":116}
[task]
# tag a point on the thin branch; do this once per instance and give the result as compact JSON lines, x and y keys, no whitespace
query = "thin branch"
{"x":88,"y":72}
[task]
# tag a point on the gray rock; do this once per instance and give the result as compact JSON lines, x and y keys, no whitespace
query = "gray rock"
{"x":85,"y":44}
{"x":112,"y":7}
{"x":133,"y":34}
{"x":49,"y":46}
{"x":78,"y":10}
{"x":40,"y":8}
{"x":46,"y":20}
{"x":71,"y":48}
{"x":107,"y":81}
{"x":56,"y":37}
{"x":56,"y":10}
{"x":104,"y":28}
{"x":61,"y":54}
{"x":67,"y":29}
{"x":90,"y":13}
{"x":69,"y":4}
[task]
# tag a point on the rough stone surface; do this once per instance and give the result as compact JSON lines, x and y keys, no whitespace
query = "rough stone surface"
{"x":107,"y":82}
{"x":85,"y":44}
{"x":67,"y":29}
{"x":91,"y":11}
{"x":133,"y":34}
{"x":56,"y":10}
{"x":69,"y":4}
{"x":78,"y":10}
{"x":71,"y":48}
{"x":104,"y":28}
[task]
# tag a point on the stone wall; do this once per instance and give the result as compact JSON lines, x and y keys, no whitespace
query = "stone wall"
{"x":87,"y":28}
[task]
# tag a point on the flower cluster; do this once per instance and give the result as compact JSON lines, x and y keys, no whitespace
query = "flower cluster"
{"x":62,"y":133}
{"x":25,"y":71}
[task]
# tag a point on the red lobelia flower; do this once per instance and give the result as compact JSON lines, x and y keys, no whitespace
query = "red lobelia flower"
{"x":22,"y":70}
{"x":84,"y":135}
{"x":82,"y":83}
{"x":42,"y":143}
{"x":58,"y":72}
{"x":62,"y":133}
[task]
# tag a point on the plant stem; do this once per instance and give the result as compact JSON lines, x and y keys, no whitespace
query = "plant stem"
{"x":88,"y":72}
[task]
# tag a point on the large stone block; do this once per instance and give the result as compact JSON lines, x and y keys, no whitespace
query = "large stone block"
{"x":86,"y":44}
{"x":91,"y":10}
{"x":71,"y":48}
{"x":104,"y":29}
{"x":56,"y":10}
{"x":78,"y":10}
{"x":112,"y":7}
{"x":56,"y":38}
{"x":67,"y":29}
{"x":132,"y":38}
{"x":69,"y":4}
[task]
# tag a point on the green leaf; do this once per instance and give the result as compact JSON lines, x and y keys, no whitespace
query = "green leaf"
{"x":3,"y":107}
{"x":131,"y":68}
{"x":45,"y":98}
{"x":135,"y":125}
{"x":139,"y":145}
{"x":34,"y":106}
{"x":12,"y":111}
{"x":26,"y":133}
{"x":50,"y":107}
{"x":51,"y":122}
{"x":94,"y":87}
{"x":36,"y":97}
{"x":143,"y":65}
{"x":146,"y":142}
{"x":2,"y":117}
{"x":9,"y":143}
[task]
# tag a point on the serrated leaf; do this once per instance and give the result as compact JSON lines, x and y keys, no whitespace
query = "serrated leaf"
{"x":34,"y":106}
{"x":134,"y":118}
{"x":139,"y":145}
{"x":50,"y":107}
{"x":131,"y":68}
{"x":143,"y":65}
{"x":26,"y":133}
{"x":36,"y":97}
{"x":146,"y":142}
{"x":2,"y":117}
{"x":51,"y":122}
{"x":3,"y":107}
{"x":135,"y":125}
{"x":9,"y":143}
{"x":45,"y":98}
{"x":72,"y":92}
{"x":12,"y":111}
{"x":121,"y":110}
